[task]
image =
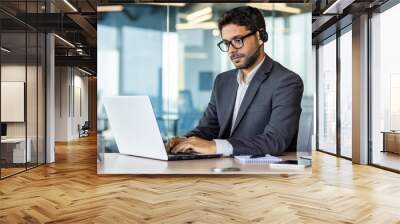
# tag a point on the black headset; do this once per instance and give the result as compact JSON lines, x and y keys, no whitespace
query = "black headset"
{"x":263,"y":35}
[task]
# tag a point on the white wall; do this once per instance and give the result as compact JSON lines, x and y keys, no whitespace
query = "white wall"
{"x":17,"y":73}
{"x":33,"y":126}
{"x":71,"y":94}
{"x":12,"y":73}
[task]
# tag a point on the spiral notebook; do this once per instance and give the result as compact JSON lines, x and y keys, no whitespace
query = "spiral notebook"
{"x":259,"y":160}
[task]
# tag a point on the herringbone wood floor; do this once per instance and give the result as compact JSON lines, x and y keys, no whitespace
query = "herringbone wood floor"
{"x":70,"y":191}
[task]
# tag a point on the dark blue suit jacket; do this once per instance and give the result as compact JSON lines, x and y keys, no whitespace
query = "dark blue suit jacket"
{"x":268,"y":118}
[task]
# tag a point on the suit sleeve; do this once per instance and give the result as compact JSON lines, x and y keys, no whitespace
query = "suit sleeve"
{"x":283,"y":125}
{"x":208,"y":127}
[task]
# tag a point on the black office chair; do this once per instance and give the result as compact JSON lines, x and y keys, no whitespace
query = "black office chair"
{"x":84,"y":130}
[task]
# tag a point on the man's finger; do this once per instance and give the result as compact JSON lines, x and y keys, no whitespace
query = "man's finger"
{"x":171,"y":143}
{"x":168,"y":145}
{"x":181,"y":147}
{"x":177,"y":148}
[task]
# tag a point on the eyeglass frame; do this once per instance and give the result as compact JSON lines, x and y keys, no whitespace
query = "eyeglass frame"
{"x":238,"y":38}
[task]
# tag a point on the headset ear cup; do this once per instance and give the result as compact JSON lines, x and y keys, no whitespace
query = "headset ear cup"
{"x":266,"y":36}
{"x":263,"y":35}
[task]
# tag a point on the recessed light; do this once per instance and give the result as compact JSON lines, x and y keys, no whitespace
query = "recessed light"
{"x":5,"y":50}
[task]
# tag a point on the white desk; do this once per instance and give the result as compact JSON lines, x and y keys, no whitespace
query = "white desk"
{"x":116,"y":163}
{"x":19,"y":155}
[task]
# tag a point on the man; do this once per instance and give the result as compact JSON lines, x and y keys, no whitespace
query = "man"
{"x":254,"y":109}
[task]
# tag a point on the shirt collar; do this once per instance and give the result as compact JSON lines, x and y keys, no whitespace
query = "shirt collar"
{"x":250,"y":76}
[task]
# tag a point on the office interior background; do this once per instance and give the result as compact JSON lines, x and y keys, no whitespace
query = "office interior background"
{"x":28,"y":51}
{"x":50,"y":84}
{"x":170,"y":53}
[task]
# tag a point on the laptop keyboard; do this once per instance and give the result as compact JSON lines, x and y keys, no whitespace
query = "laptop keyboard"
{"x":193,"y":155}
{"x":184,"y":153}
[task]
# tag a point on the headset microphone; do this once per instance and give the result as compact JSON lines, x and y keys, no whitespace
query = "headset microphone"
{"x":264,"y":38}
{"x":253,"y":56}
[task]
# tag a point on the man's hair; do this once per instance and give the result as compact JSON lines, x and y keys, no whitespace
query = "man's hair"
{"x":246,"y":16}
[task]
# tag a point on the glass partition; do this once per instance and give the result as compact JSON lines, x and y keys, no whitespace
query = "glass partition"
{"x":41,"y":97}
{"x":22,"y":89}
{"x":31,"y":99}
{"x":13,"y":108}
{"x":346,"y":94}
{"x":385,"y":89}
{"x":327,"y":96}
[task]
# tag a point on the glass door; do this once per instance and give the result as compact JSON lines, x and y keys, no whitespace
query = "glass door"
{"x":327,"y":96}
{"x":346,"y":93}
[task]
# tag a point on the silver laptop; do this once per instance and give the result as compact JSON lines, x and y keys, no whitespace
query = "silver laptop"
{"x":134,"y":127}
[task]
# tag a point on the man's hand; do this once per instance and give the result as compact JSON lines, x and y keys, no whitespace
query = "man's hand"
{"x":195,"y":144}
{"x":171,"y":143}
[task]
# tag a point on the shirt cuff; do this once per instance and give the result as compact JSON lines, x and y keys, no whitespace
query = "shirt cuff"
{"x":223,"y":147}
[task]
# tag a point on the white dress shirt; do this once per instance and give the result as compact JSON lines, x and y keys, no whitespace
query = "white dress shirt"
{"x":223,"y":146}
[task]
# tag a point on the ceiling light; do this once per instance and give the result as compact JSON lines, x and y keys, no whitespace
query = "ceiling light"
{"x":65,"y":41}
{"x":281,"y":7}
{"x":84,"y":71}
{"x":70,"y":5}
{"x":5,"y":50}
{"x":110,"y":8}
{"x":215,"y":32}
{"x":337,"y":7}
{"x":200,"y":19}
{"x":199,"y":13}
{"x":167,"y":4}
{"x":204,"y":26}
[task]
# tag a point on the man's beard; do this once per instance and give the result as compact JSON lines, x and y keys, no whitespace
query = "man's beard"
{"x":249,"y":60}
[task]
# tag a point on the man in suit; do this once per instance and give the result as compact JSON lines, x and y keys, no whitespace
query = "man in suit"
{"x":255,"y":108}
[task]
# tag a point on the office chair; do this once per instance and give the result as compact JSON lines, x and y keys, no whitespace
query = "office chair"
{"x":304,"y":137}
{"x":188,"y":115}
{"x":84,"y":130}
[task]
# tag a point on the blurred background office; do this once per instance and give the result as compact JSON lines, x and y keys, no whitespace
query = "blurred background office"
{"x":48,"y":66}
{"x":47,"y":78}
{"x":169,"y":52}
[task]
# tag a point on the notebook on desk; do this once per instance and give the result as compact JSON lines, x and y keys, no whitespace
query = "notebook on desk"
{"x":258,"y":160}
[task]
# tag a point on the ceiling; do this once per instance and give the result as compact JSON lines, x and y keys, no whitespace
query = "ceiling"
{"x":75,"y":22}
{"x":332,"y":15}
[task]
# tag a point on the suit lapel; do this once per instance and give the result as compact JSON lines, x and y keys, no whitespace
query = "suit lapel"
{"x":258,"y":79}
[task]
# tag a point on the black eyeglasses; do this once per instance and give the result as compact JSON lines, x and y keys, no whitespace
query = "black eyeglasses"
{"x":237,"y":43}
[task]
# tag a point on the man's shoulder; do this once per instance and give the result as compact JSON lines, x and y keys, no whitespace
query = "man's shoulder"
{"x":226,"y":75}
{"x":282,"y":70}
{"x":282,"y":73}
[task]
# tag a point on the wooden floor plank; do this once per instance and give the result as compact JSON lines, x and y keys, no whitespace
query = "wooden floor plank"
{"x":70,"y":191}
